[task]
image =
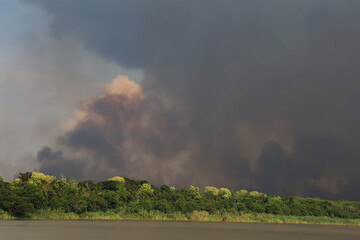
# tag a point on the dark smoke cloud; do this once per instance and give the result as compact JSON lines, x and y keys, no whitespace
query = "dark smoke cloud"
{"x":55,"y":162}
{"x":255,"y":94}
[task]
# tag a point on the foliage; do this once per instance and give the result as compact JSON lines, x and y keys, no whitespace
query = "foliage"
{"x":41,"y":196}
{"x":212,"y":190}
{"x":225,"y":193}
{"x":195,"y":191}
{"x":146,"y":187}
{"x":118,"y":179}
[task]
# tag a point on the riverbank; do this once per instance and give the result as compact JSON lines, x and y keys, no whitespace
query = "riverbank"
{"x":5,"y":216}
{"x":196,"y":216}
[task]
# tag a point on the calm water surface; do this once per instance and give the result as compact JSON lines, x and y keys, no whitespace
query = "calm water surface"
{"x":129,"y":230}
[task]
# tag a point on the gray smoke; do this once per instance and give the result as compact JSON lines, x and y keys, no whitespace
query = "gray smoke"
{"x":245,"y":94}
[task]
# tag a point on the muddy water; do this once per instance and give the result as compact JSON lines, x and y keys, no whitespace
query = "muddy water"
{"x":136,"y":230}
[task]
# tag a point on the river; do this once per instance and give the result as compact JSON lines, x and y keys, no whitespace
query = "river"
{"x":139,"y":230}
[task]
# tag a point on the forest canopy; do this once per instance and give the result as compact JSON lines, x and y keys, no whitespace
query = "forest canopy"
{"x":32,"y":192}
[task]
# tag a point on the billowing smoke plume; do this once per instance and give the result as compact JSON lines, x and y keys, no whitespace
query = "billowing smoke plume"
{"x":245,"y":94}
{"x":123,"y":132}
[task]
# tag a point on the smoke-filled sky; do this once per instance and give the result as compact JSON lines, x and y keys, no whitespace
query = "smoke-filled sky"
{"x":262,"y":95}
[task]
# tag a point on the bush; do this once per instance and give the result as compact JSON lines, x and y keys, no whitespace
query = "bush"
{"x":22,"y":209}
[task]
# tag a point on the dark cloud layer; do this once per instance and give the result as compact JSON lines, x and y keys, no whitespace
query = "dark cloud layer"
{"x":253,"y":94}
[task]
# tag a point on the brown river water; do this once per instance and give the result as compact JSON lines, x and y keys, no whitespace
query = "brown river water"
{"x":136,"y":230}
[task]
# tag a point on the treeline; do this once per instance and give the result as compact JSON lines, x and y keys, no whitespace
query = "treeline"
{"x":35,"y":191}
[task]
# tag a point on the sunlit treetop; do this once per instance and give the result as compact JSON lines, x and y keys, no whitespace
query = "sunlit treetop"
{"x":146,"y":187}
{"x":41,"y":176}
{"x":117,"y":179}
{"x":226,"y":193}
{"x":195,"y":191}
{"x":213,"y":190}
{"x":257,"y":194}
{"x":242,"y":192}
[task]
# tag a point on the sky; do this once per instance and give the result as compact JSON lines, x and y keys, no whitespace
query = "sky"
{"x":259,"y":95}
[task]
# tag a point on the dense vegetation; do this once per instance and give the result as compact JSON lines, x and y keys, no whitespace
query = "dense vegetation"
{"x":35,"y":193}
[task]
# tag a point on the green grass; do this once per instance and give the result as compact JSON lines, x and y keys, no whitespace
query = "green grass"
{"x":196,"y":216}
{"x":100,"y":215}
{"x":5,"y":215}
{"x":270,"y":218}
{"x":58,"y":215}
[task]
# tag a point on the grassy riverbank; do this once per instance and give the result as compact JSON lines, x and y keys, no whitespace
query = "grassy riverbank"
{"x":39,"y":196}
{"x":196,"y":216}
{"x":5,"y":215}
